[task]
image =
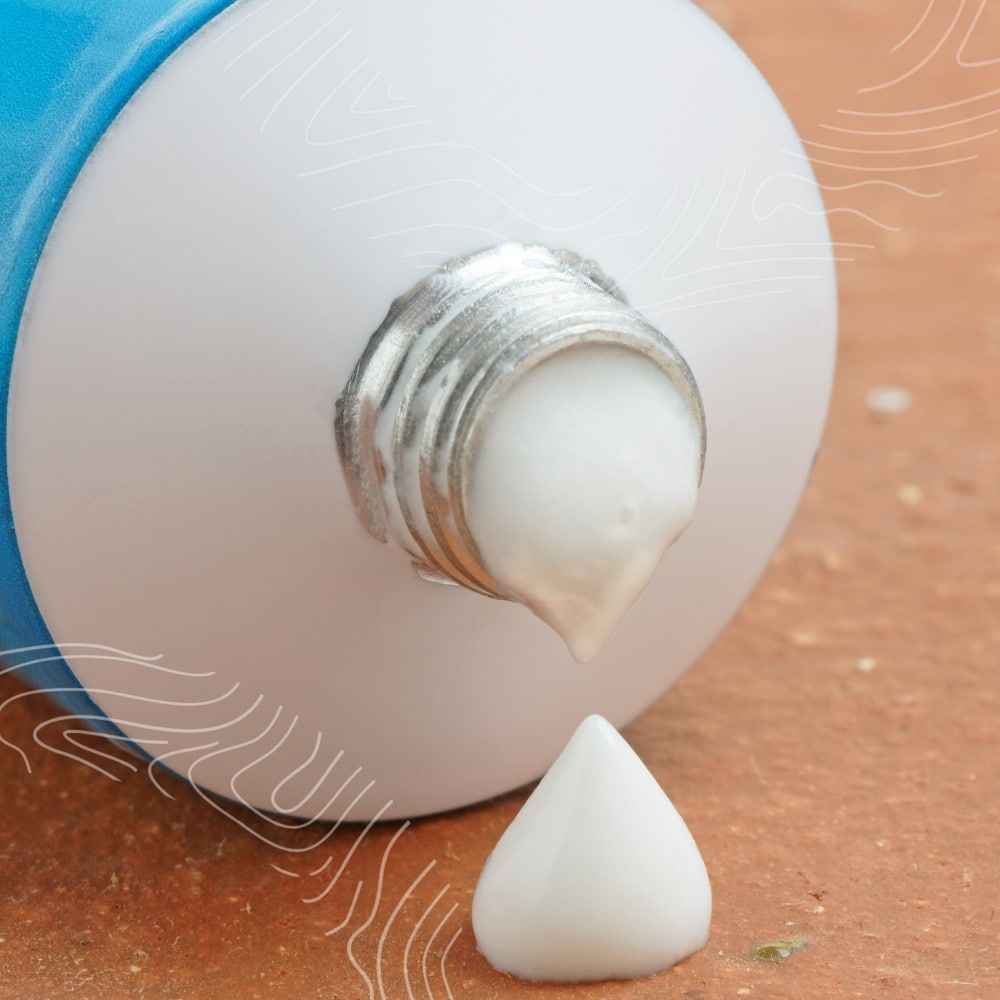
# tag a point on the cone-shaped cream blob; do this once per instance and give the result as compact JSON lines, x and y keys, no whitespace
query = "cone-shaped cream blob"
{"x":597,"y":877}
{"x":585,"y":474}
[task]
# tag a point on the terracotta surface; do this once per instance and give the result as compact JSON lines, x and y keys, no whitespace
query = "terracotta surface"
{"x":835,"y":753}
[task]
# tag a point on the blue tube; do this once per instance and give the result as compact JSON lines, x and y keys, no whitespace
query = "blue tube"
{"x":67,"y":68}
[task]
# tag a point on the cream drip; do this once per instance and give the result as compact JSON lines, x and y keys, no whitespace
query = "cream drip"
{"x":585,"y":473}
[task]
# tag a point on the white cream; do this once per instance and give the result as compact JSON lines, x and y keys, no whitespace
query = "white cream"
{"x":597,"y":877}
{"x":585,"y":474}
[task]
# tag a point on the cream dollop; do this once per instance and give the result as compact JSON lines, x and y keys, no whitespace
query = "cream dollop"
{"x":586,"y":472}
{"x":597,"y":877}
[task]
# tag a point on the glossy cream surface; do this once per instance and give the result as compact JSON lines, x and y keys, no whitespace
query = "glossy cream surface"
{"x":597,"y":877}
{"x":586,"y":473}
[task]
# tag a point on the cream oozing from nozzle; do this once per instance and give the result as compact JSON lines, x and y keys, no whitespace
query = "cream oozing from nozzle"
{"x":583,"y":475}
{"x":517,"y":428}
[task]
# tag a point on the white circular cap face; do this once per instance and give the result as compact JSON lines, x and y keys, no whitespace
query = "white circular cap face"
{"x":212,"y":279}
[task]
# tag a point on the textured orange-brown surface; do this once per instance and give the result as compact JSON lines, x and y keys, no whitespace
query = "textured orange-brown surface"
{"x":835,"y":753}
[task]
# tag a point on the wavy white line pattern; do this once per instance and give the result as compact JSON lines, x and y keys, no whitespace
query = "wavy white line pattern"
{"x":768,"y":268}
{"x":975,"y":63}
{"x":913,"y":70}
{"x":413,"y":937}
{"x":390,"y":126}
{"x":442,"y":923}
{"x":370,"y":919}
{"x":405,"y":966}
{"x":342,"y":82}
{"x":329,"y":780}
{"x":938,"y":41}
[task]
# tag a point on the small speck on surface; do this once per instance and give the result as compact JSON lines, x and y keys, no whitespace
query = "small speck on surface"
{"x":866,"y":664}
{"x":777,"y":951}
{"x":888,"y":400}
{"x":910,"y":494}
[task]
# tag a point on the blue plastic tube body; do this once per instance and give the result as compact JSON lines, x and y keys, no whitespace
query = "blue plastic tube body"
{"x":67,"y":68}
